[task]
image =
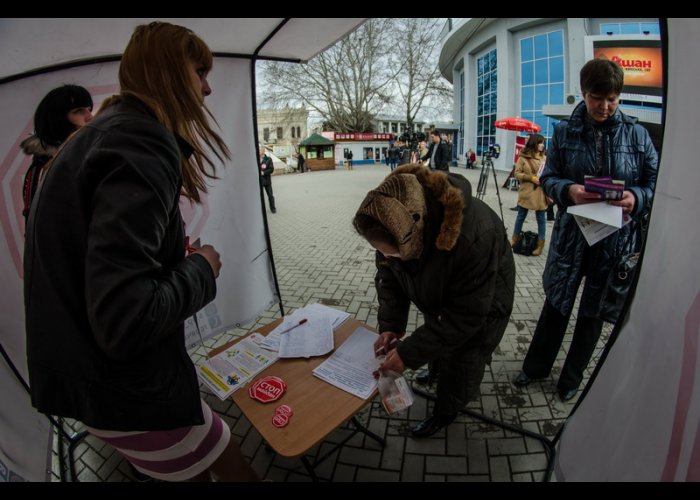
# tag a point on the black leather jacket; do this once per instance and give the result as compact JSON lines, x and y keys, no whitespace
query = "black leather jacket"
{"x":107,"y":286}
{"x":630,"y":156}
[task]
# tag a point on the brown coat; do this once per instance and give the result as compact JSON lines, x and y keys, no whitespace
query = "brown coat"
{"x":530,"y":195}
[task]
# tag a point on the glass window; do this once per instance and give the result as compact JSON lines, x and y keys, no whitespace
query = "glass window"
{"x":266,"y":134}
{"x":280,"y":133}
{"x":461,"y":112}
{"x":541,"y":71}
{"x":613,"y":29}
{"x":527,"y":95}
{"x":527,"y":73}
{"x":652,"y":28}
{"x":368,"y":153}
{"x":542,"y":76}
{"x":541,"y":96}
{"x":556,"y":43}
{"x":527,"y":49}
{"x":556,"y":93}
{"x":540,"y":46}
{"x":630,"y":28}
{"x":487,"y":84}
{"x":556,"y":69}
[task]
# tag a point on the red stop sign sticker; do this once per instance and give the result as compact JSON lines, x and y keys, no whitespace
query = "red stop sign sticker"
{"x":267,"y":389}
{"x":284,"y":409}
{"x":280,"y":420}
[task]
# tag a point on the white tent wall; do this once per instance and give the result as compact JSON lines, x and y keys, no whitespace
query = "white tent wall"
{"x":640,"y":419}
{"x":231,"y":217}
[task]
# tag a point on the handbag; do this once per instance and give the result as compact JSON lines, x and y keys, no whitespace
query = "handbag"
{"x":621,"y":277}
{"x":526,"y":243}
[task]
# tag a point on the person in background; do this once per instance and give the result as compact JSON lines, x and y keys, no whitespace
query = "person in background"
{"x":471,"y":158}
{"x":266,"y":169}
{"x":438,"y":152}
{"x":446,"y":252}
{"x":530,"y":194}
{"x":597,"y":139}
{"x":108,"y":279}
{"x":60,"y":113}
{"x":300,"y":162}
{"x":349,"y":160}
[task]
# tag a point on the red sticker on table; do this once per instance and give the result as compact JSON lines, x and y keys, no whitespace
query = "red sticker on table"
{"x":280,"y":420}
{"x":284,"y":410}
{"x":267,"y":389}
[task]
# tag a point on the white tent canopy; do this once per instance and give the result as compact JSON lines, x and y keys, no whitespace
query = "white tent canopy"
{"x":29,"y":44}
{"x":41,"y":54}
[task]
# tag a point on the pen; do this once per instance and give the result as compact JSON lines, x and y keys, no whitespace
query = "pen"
{"x":391,"y":343}
{"x":301,"y":322}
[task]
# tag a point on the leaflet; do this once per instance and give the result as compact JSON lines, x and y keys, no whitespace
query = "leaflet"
{"x":232,"y":368}
{"x":352,"y":365}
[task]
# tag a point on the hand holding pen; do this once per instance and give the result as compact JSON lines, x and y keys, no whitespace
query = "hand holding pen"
{"x":385,"y":343}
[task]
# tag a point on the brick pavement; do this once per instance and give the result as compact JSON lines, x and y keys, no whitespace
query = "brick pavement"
{"x":319,"y":258}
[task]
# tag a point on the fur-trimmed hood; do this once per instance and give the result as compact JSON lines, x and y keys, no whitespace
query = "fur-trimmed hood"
{"x":32,"y":145}
{"x":400,"y":204}
{"x":450,"y":197}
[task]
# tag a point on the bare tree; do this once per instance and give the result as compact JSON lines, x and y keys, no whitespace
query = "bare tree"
{"x":345,"y":84}
{"x":418,"y":81}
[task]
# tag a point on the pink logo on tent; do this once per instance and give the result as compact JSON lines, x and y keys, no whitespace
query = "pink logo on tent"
{"x":683,"y":430}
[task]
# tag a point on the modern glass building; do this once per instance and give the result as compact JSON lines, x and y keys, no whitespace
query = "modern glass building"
{"x":527,"y":67}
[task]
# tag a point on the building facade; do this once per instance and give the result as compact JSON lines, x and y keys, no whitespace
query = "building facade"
{"x":529,"y":67}
{"x":283,"y":129}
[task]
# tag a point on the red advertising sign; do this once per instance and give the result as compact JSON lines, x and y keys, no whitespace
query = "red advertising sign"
{"x":520,"y":142}
{"x":362,"y":136}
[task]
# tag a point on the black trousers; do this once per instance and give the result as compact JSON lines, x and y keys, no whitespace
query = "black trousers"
{"x":459,"y":374}
{"x":270,"y":196}
{"x":547,"y":340}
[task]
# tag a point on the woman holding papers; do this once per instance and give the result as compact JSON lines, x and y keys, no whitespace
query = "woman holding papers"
{"x":449,"y":254}
{"x":107,"y":281}
{"x":599,"y":140}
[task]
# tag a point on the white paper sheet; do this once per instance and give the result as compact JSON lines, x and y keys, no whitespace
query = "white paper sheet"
{"x":312,"y":312}
{"x":313,"y":338}
{"x":599,"y":211}
{"x":350,"y":368}
{"x":595,"y":231}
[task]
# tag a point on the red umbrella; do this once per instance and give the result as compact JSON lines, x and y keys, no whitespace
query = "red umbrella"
{"x":518,"y":124}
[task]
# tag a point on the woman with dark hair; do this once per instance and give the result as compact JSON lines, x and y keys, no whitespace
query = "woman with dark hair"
{"x":598,"y":139}
{"x":448,"y":254}
{"x":60,"y":113}
{"x":108,"y":284}
{"x":530,"y":194}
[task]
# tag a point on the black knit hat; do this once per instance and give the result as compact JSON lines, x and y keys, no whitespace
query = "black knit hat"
{"x":51,"y":123}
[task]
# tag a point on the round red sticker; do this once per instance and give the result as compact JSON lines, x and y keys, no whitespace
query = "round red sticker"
{"x":280,"y":420}
{"x":267,"y":389}
{"x":284,"y":410}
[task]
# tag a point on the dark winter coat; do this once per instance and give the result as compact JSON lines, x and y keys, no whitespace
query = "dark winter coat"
{"x":442,"y":156}
{"x":630,"y":156}
{"x":455,"y":288}
{"x":41,"y":154}
{"x":107,"y":286}
{"x":266,"y":168}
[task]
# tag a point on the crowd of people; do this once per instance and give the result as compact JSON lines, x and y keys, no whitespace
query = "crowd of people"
{"x":119,"y":279}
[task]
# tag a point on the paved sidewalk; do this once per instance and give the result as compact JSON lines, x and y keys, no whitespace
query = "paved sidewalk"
{"x":319,"y":258}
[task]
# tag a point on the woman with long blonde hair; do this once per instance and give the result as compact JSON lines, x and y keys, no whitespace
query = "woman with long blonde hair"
{"x":530,"y":194}
{"x":108,"y":283}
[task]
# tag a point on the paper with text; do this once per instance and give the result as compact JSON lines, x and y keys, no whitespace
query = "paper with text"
{"x":313,"y":338}
{"x":351,"y":367}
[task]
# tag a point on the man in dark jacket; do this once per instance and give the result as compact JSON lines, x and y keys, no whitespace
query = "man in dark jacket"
{"x":598,"y":139}
{"x":266,"y":169}
{"x":439,"y":153}
{"x":448,"y":253}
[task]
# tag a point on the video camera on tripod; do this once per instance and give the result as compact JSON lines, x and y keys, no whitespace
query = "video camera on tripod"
{"x":494,"y":151}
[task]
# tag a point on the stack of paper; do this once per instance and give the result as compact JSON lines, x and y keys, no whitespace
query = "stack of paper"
{"x":317,"y":330}
{"x":233,"y":368}
{"x":351,"y":367}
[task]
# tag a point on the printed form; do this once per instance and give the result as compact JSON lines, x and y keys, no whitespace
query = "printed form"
{"x":351,"y":367}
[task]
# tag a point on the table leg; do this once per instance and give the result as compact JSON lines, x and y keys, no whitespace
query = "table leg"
{"x":309,"y":469}
{"x":364,"y":430}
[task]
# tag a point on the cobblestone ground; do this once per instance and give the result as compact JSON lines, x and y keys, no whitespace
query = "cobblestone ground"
{"x":319,"y":258}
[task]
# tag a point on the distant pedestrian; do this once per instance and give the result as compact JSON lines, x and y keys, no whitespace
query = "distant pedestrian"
{"x":349,"y":160}
{"x":266,"y":169}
